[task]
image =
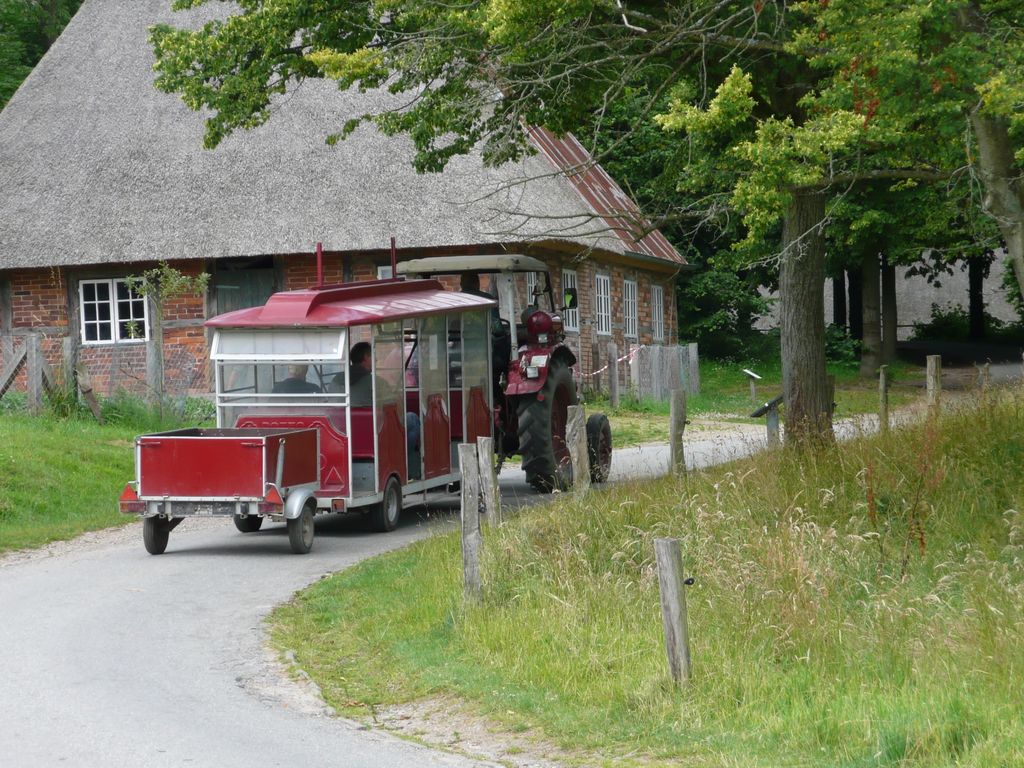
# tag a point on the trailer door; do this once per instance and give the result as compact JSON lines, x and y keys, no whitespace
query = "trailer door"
{"x":435,"y":415}
{"x":389,"y":402}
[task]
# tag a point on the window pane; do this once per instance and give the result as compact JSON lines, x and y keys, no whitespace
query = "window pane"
{"x":102,"y":291}
{"x":572,"y":316}
{"x":104,"y":311}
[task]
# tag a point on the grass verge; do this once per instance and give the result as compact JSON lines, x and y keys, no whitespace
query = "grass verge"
{"x":858,"y":606}
{"x":725,"y":395}
{"x":60,"y":478}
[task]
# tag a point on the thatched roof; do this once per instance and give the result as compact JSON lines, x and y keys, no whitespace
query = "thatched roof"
{"x":97,"y":166}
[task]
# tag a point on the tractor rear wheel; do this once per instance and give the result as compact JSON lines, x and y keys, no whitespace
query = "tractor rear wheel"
{"x":599,"y":447}
{"x":542,"y":420}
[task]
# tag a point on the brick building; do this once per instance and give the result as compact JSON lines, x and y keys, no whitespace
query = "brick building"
{"x":101,"y":177}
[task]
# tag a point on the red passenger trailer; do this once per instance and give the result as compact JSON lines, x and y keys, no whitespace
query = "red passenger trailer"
{"x":333,"y":399}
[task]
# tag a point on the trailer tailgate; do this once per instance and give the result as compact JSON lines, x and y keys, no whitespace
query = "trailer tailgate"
{"x":222,"y":463}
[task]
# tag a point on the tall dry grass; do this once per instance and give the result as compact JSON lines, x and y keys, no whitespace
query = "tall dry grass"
{"x":854,"y":606}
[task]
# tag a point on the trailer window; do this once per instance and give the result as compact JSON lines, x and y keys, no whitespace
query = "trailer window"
{"x":276,"y":388}
{"x":325,"y":345}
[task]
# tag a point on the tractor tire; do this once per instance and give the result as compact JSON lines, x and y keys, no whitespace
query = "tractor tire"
{"x":155,"y":533}
{"x":599,"y":447}
{"x":542,"y":421}
{"x":384,"y":516}
{"x":301,"y":530}
{"x":249,"y":523}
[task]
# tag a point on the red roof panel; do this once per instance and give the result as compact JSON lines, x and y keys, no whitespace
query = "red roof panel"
{"x":333,"y":306}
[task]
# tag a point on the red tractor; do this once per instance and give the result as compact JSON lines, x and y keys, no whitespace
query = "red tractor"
{"x":533,"y":381}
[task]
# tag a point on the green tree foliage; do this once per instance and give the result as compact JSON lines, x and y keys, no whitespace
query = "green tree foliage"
{"x":27,"y":30}
{"x":778,"y":110}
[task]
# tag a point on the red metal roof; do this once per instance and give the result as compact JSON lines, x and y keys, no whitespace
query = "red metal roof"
{"x":331,"y":306}
{"x":602,"y":194}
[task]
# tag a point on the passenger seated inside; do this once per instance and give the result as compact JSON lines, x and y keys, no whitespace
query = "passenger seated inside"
{"x":360,"y":376}
{"x":296,"y":383}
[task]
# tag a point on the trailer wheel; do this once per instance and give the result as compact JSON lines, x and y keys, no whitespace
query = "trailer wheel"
{"x":248,"y":523}
{"x":155,"y":533}
{"x":542,"y":421}
{"x":301,"y":530}
{"x":384,"y":516}
{"x":599,"y":447}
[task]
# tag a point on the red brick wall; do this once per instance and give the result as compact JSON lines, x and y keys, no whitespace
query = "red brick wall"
{"x":40,"y":299}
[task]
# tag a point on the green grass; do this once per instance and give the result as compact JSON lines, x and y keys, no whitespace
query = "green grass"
{"x":725,"y":395}
{"x":60,"y":478}
{"x":859,"y":606}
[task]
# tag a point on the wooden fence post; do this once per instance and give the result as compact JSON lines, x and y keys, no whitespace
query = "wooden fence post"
{"x":471,"y":538}
{"x":488,"y":480}
{"x":595,"y":365}
{"x":67,"y":360}
{"x":883,"y":399}
{"x":673,"y":608}
{"x":634,"y":371}
{"x":677,"y":423}
{"x":657,"y":385}
{"x":771,"y":420}
{"x":6,"y":350}
{"x":35,"y":373}
{"x":933,"y":379}
{"x":983,"y":376}
{"x":693,"y":373}
{"x":576,"y":437}
{"x":613,"y":374}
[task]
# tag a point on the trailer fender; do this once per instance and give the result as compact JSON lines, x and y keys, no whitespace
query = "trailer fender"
{"x":295,"y":502}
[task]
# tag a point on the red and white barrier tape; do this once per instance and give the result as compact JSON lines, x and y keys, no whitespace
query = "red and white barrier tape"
{"x":629,"y":356}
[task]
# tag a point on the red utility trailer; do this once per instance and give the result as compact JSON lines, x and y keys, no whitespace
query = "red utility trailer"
{"x":333,"y":399}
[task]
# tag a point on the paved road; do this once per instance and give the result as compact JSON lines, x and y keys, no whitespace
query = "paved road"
{"x":112,"y":657}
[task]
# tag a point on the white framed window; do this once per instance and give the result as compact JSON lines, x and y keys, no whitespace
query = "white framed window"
{"x":111,"y":312}
{"x":603,"y":302}
{"x":629,"y":310}
{"x":531,"y":286}
{"x":572,"y":316}
{"x":384,"y":272}
{"x":658,"y":312}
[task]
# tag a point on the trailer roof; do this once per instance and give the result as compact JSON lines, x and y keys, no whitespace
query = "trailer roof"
{"x":333,"y":306}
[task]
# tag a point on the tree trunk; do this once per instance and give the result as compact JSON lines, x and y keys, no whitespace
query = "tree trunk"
{"x":839,"y":299}
{"x":890,"y":317}
{"x":975,"y":298}
{"x":802,"y":304}
{"x":853,"y":279}
{"x":871,"y":289}
{"x":1004,"y":187}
